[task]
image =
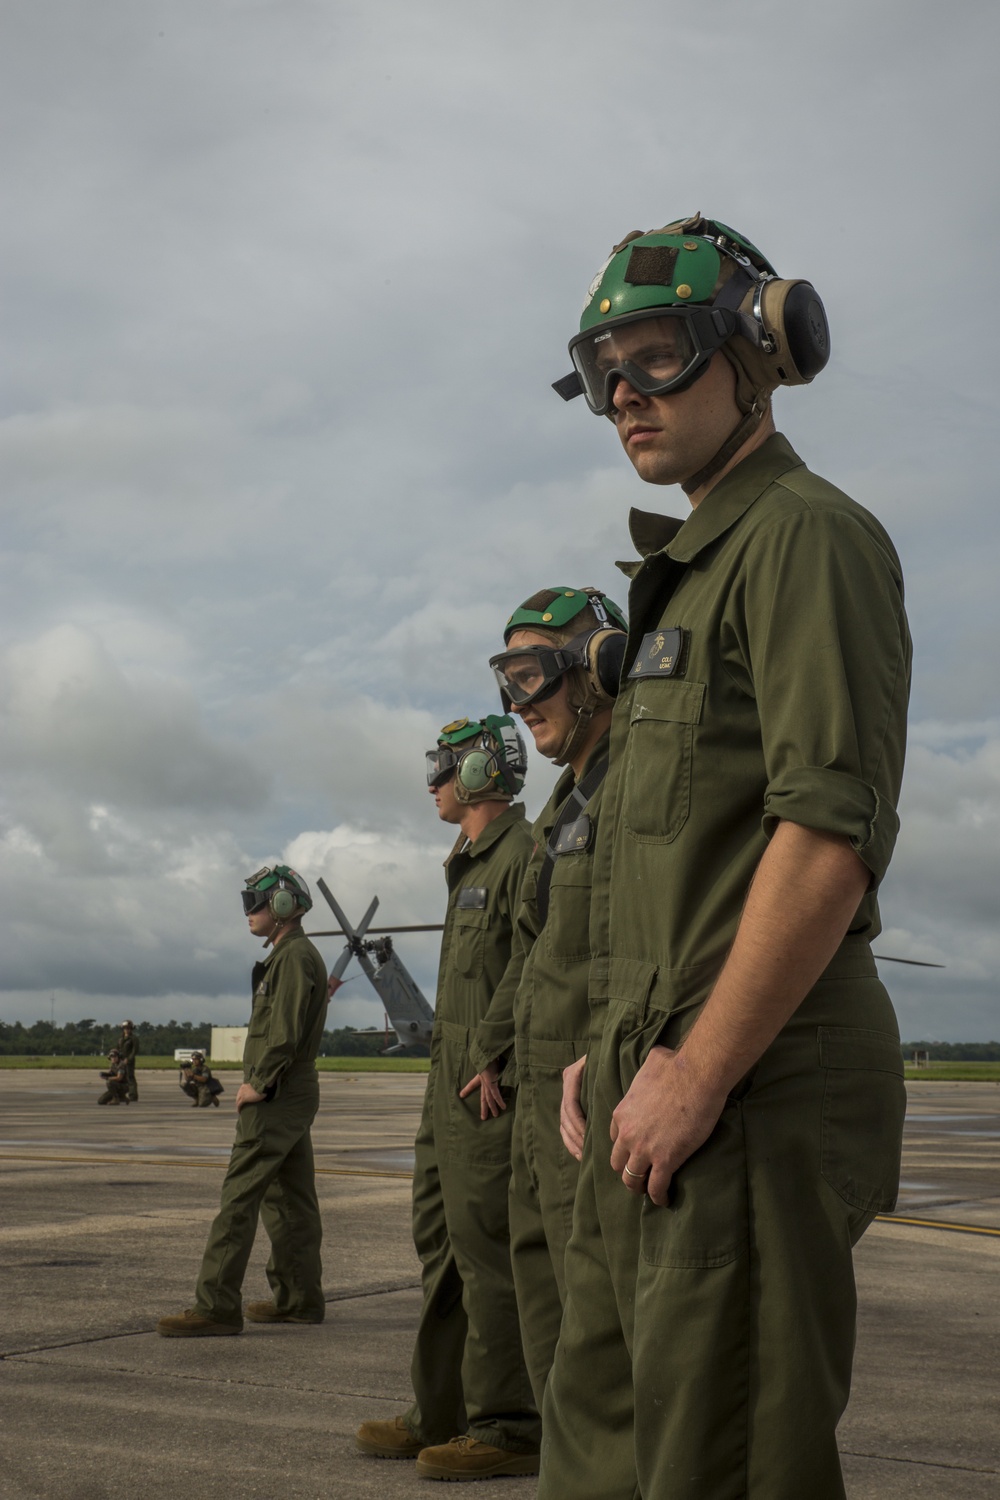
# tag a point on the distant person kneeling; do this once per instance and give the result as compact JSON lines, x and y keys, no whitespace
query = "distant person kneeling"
{"x":197,"y":1082}
{"x":115,"y":1077}
{"x":271,"y":1172}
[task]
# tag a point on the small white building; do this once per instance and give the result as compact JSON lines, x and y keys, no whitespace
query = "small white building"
{"x":227,"y":1043}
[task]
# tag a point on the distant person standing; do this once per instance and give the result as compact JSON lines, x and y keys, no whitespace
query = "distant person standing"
{"x":271,"y":1172}
{"x":128,"y":1051}
{"x":115,"y":1077}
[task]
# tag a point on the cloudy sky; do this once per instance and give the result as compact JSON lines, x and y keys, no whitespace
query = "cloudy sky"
{"x":284,"y":284}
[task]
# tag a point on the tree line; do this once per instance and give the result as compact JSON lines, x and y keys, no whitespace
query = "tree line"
{"x":88,"y":1038}
{"x":955,"y":1051}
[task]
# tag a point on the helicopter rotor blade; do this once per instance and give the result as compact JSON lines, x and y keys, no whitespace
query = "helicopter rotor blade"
{"x":916,"y":963}
{"x":425,"y":927}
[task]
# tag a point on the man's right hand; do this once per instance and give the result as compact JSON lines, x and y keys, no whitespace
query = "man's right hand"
{"x":491,"y":1100}
{"x":572,"y":1120}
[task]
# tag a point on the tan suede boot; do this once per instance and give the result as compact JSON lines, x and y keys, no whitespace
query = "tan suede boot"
{"x":468,"y":1458}
{"x":392,"y":1439}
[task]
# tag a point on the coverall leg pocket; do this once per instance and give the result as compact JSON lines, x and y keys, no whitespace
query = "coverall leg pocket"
{"x":864,"y":1103}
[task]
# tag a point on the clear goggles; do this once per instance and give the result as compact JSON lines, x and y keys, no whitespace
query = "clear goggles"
{"x":530,"y":674}
{"x":654,"y":352}
{"x":441,"y":763}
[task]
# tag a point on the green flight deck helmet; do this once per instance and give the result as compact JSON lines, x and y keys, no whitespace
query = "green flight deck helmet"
{"x":666,"y":301}
{"x":588,"y":634}
{"x":278,"y":887}
{"x":487,"y":758}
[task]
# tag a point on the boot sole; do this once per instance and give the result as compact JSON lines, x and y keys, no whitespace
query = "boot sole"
{"x":302,"y":1322}
{"x":372,"y":1450}
{"x":219,"y":1331}
{"x":526,"y":1464}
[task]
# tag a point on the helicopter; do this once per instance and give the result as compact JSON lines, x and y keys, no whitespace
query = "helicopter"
{"x":407,"y":1010}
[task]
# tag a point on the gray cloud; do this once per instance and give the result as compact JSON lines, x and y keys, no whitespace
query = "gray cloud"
{"x":288,"y":283}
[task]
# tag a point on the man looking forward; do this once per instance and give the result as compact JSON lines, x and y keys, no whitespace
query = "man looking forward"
{"x":749,"y":1088}
{"x":473,"y":1415}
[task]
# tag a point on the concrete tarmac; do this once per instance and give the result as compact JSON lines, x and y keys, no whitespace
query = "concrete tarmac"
{"x":103,"y":1220}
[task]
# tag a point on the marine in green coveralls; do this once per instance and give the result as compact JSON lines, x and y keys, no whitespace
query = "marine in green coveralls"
{"x":271,"y":1172}
{"x":473,"y":1414}
{"x":115,"y":1080}
{"x":197,"y":1082}
{"x":128,"y":1051}
{"x":560,"y":674}
{"x":749,"y":1090}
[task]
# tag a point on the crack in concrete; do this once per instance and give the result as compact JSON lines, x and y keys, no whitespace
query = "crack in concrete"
{"x":131,"y":1333}
{"x":924,"y":1463}
{"x":260,"y":1385}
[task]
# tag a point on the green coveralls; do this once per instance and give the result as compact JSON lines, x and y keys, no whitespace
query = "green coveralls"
{"x":115,"y":1085}
{"x":541,"y":1014}
{"x":468,"y":1369}
{"x":271,"y":1172}
{"x":736,"y":1303}
{"x":128,"y":1047}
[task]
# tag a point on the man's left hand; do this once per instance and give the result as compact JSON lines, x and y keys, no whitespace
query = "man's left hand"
{"x":662,"y":1120}
{"x":248,"y":1095}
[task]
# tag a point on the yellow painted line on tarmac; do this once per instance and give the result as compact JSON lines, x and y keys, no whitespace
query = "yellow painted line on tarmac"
{"x":184,"y":1161}
{"x":937,"y":1224}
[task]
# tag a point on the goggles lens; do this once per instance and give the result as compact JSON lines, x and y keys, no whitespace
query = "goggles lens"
{"x":655,"y":354}
{"x":254,"y":900}
{"x":532,"y":673}
{"x":441,"y":764}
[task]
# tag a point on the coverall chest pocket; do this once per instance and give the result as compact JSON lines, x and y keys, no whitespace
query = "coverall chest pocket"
{"x":567,"y":929}
{"x":260,"y":1017}
{"x":657,"y":796}
{"x":469,"y":942}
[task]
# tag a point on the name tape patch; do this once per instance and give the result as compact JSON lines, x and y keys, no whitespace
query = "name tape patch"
{"x":574,"y":836}
{"x":661,"y":654}
{"x":472,"y":898}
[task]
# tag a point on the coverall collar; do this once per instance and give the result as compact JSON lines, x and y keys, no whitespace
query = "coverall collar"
{"x":489,"y":835}
{"x":292,"y":936}
{"x":731,"y":498}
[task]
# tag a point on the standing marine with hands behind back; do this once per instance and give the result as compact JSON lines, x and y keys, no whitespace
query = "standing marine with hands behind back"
{"x":271,"y":1172}
{"x":749,"y":1089}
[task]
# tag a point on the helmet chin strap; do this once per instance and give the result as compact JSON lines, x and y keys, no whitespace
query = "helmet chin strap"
{"x":574,"y":740}
{"x":734,"y":442}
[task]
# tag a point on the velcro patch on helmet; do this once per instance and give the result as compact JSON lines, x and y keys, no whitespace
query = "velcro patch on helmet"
{"x":651,"y":265}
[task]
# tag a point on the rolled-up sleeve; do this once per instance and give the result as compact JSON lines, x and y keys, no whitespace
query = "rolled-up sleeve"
{"x":828,"y":654}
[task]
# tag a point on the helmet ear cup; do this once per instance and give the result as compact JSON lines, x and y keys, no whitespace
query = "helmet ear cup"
{"x":283,"y":904}
{"x":605,"y":658}
{"x":795,"y":318}
{"x":608,"y":660}
{"x":475,"y":770}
